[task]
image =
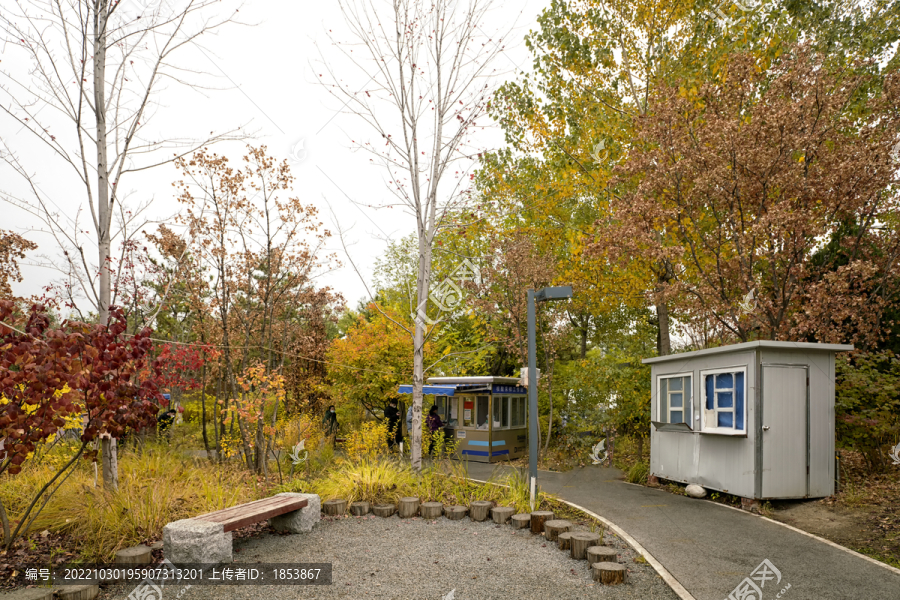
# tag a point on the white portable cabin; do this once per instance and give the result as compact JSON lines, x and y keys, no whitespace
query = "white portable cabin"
{"x":755,"y":419}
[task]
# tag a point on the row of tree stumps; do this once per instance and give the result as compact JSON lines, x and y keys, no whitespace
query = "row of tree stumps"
{"x":581,"y":545}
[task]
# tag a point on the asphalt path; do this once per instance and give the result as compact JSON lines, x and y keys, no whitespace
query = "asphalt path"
{"x":713,"y":549}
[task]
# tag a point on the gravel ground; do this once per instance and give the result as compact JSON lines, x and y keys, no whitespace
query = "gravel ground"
{"x":414,"y":558}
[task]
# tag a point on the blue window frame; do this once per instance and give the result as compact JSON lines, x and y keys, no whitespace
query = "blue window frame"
{"x":724,"y":405}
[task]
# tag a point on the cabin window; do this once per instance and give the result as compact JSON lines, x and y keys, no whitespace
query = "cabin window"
{"x":504,"y":412}
{"x":675,"y":397}
{"x":481,"y":412}
{"x":496,"y":410}
{"x":724,"y":408}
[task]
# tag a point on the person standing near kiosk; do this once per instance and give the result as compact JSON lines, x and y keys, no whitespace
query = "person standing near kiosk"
{"x":434,"y":426}
{"x":395,"y":431}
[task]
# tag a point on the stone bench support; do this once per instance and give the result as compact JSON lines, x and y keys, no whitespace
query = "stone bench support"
{"x":196,"y":541}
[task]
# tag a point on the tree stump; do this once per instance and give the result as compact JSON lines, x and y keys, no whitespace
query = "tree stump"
{"x":31,"y":594}
{"x":409,"y":507}
{"x":581,"y":541}
{"x":136,"y":555}
{"x":538,"y":518}
{"x":479,"y":510}
{"x":78,"y":592}
{"x":384,"y":510}
{"x":456,"y":513}
{"x":359,"y":509}
{"x":564,"y":540}
{"x":431,"y":510}
{"x":609,"y":573}
{"x":335,"y":507}
{"x":520,"y":521}
{"x":553,"y":528}
{"x":501,"y":514}
{"x":597,"y":554}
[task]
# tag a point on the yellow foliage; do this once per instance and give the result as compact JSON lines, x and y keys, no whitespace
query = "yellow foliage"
{"x":367,"y":442}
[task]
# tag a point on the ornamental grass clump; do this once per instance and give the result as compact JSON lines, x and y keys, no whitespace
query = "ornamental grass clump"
{"x":155,"y":488}
{"x":375,"y":480}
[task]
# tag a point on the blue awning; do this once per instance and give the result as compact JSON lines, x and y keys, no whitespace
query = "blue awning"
{"x":431,"y":390}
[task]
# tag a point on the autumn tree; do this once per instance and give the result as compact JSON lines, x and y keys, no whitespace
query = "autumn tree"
{"x":50,"y":374}
{"x":12,"y":249}
{"x":428,"y":65}
{"x":262,"y":249}
{"x":745,"y":176}
{"x":98,"y":66}
{"x":372,"y":360}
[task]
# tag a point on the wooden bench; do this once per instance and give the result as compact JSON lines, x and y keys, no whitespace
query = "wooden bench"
{"x":206,"y":538}
{"x":253,"y":512}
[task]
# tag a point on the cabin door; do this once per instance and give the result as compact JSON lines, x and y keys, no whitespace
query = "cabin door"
{"x":785,"y":431}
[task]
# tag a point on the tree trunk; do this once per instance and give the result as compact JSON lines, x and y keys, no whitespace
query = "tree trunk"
{"x":479,"y":510}
{"x":217,"y":416}
{"x":110,"y":464}
{"x":538,"y":518}
{"x":640,"y":447}
{"x":203,"y":406}
{"x":334,"y":507}
{"x":501,"y":514}
{"x":104,"y":208}
{"x":384,"y":510}
{"x":409,"y":507}
{"x":520,"y":520}
{"x":663,"y":343}
{"x":554,"y":527}
{"x":597,"y":554}
{"x":583,"y":540}
{"x":359,"y":509}
{"x":455,"y":513}
{"x":432,"y":510}
{"x":608,"y":573}
{"x":260,"y":450}
{"x":422,"y":283}
{"x":4,"y":520}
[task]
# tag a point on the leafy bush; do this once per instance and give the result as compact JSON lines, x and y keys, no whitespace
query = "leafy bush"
{"x":867,"y":404}
{"x":367,"y":442}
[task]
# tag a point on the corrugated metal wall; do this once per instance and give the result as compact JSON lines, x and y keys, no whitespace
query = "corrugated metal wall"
{"x":717,"y":462}
{"x":729,"y":463}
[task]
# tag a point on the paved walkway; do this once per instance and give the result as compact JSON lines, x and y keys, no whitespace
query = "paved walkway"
{"x":710,"y":548}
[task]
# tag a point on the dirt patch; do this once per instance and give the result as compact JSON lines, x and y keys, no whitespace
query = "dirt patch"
{"x":840,"y":524}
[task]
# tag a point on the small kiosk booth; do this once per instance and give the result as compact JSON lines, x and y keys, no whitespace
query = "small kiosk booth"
{"x":485,"y":416}
{"x":755,"y":419}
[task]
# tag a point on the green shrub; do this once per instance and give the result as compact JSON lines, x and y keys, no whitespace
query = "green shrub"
{"x":638,"y":473}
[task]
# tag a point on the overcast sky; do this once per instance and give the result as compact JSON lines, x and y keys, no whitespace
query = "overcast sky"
{"x":265,"y":68}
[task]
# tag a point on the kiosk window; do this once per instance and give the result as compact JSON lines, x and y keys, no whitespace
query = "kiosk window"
{"x":443,"y":404}
{"x":517,"y":411}
{"x":481,"y":411}
{"x":468,"y":406}
{"x":497,"y":411}
{"x":504,"y":412}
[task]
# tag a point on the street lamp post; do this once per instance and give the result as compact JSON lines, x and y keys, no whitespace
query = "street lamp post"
{"x":544,"y":295}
